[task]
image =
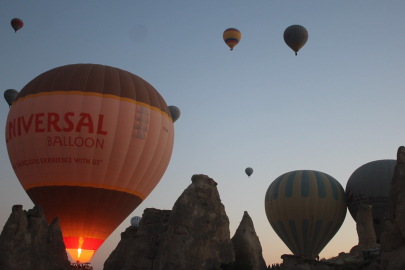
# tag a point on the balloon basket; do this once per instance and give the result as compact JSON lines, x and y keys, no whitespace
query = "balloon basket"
{"x":81,"y":266}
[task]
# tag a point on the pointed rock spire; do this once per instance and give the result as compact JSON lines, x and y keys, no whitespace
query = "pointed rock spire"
{"x":247,"y":244}
{"x":27,"y":242}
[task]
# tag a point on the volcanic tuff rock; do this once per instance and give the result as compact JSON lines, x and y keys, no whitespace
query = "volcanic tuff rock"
{"x":194,"y":235}
{"x":138,"y":246}
{"x":247,"y":245}
{"x":393,"y":234}
{"x":365,"y":230}
{"x":341,"y":262}
{"x":198,"y":234}
{"x":27,"y":242}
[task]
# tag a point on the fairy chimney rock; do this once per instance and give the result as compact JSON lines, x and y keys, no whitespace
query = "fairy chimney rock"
{"x":198,"y":234}
{"x":393,"y":233}
{"x":27,"y":242}
{"x":365,"y":228}
{"x":139,"y":246}
{"x":247,"y":245}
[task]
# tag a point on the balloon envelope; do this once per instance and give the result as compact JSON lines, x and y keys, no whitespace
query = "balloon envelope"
{"x":135,"y":221}
{"x":371,"y":183}
{"x":89,"y":143}
{"x":249,"y":171}
{"x":17,"y":24}
{"x":10,"y":95}
{"x":232,"y":37}
{"x":295,"y":36}
{"x":175,"y":112}
{"x":305,"y":208}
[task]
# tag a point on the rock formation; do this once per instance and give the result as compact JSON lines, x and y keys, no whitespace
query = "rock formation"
{"x":393,"y":233}
{"x":138,"y":246}
{"x":365,"y":230}
{"x":194,"y":235}
{"x":27,"y":242}
{"x":341,"y":262}
{"x":247,"y":244}
{"x":198,"y":234}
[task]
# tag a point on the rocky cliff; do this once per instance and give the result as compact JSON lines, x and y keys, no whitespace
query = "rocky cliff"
{"x":139,"y":246}
{"x":365,"y":230}
{"x":27,"y":242}
{"x":291,"y":262}
{"x":247,"y":245}
{"x":393,"y":233}
{"x":194,"y":235}
{"x":198,"y":234}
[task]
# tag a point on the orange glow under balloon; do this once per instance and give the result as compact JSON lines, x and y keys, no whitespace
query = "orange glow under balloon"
{"x":81,"y":255}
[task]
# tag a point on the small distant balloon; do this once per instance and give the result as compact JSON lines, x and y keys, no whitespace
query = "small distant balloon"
{"x":10,"y":96}
{"x":295,"y":36}
{"x":17,"y":24}
{"x":249,"y":171}
{"x":135,"y":221}
{"x":232,"y":37}
{"x":175,"y":112}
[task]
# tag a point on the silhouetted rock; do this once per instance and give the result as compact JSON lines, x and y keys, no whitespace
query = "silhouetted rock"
{"x":194,"y":235}
{"x":292,"y":262}
{"x":341,"y":262}
{"x":393,"y":234}
{"x":138,"y":246}
{"x":198,"y":234}
{"x":247,"y":245}
{"x":365,"y":230}
{"x":27,"y":242}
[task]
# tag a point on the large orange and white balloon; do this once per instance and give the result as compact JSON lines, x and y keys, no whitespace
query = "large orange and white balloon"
{"x":88,"y":144}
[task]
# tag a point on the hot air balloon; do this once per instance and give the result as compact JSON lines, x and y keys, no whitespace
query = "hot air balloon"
{"x":295,"y":36}
{"x":305,"y":208}
{"x":135,"y":221}
{"x":371,"y":183}
{"x":89,"y":143}
{"x":10,"y":95}
{"x":249,"y":171}
{"x":17,"y":24}
{"x":232,"y":37}
{"x":175,"y":112}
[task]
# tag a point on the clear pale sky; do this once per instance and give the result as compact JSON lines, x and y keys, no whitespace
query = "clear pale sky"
{"x":335,"y":106}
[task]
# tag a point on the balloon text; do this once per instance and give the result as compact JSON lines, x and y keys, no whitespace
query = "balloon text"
{"x":56,"y":160}
{"x":49,"y":122}
{"x":75,"y":141}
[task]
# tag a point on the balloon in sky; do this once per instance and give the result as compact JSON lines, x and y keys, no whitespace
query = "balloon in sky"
{"x":175,"y":112}
{"x":249,"y":171}
{"x":305,"y":208}
{"x":89,"y":143}
{"x":371,"y":183}
{"x":232,"y":37}
{"x":135,"y":221}
{"x":10,"y":95}
{"x":17,"y":24}
{"x":295,"y":36}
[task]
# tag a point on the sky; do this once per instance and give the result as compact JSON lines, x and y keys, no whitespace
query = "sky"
{"x":334,"y":107}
